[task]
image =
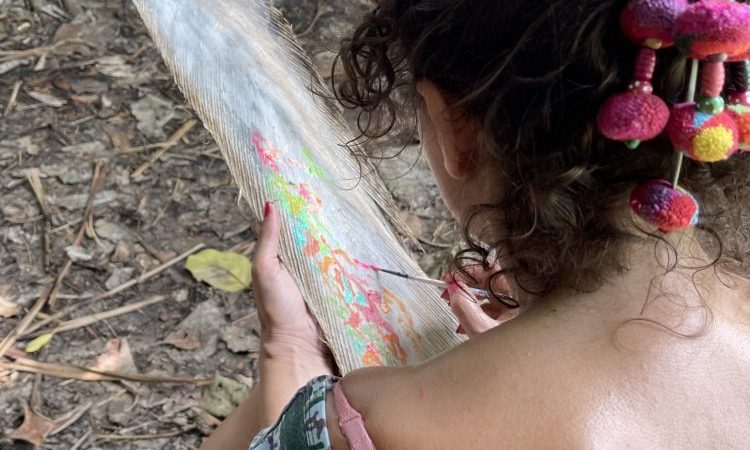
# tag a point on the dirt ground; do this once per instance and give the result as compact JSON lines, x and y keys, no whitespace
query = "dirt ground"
{"x":81,"y":84}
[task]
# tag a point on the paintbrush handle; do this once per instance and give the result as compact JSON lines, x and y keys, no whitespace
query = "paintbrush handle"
{"x":479,"y":293}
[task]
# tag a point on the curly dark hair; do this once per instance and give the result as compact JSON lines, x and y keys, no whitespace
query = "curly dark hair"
{"x":534,"y":75}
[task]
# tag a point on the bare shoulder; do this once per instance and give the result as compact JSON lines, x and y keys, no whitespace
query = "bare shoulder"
{"x":542,"y":383}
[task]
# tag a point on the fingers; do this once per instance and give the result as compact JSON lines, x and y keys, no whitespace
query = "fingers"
{"x":267,"y":249}
{"x":480,"y":277}
{"x":470,"y":314}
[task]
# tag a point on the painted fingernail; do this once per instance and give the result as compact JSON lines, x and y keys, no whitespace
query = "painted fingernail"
{"x":267,"y":209}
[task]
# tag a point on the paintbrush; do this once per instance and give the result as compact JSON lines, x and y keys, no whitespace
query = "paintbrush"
{"x":476,"y":292}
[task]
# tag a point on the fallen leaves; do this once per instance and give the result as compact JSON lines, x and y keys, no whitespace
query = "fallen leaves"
{"x":36,"y":428}
{"x":116,"y":358}
{"x":184,"y":339}
{"x":227,"y":271}
{"x":47,"y":99}
{"x":7,"y":307}
{"x":38,"y":343}
{"x":223,"y":396}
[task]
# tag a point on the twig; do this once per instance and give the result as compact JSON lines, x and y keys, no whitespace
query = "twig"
{"x":70,"y":418}
{"x":161,"y":418}
{"x":91,"y":319}
{"x":173,"y":140}
{"x":12,"y":100}
{"x":50,"y":293}
{"x":80,"y":442}
{"x":68,"y":371}
{"x":318,"y":15}
{"x":35,"y":181}
{"x":132,"y":437}
{"x":434,"y":244}
{"x":65,"y":311}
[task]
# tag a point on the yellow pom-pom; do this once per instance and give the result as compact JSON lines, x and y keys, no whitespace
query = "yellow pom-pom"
{"x":713,"y":144}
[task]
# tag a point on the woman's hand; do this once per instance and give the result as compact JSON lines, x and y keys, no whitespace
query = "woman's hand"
{"x":292,"y":351}
{"x":475,"y":319}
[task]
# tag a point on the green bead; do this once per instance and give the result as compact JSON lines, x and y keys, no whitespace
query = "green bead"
{"x":711,"y":106}
{"x":633,"y":144}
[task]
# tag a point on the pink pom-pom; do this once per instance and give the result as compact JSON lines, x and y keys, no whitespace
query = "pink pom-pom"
{"x":650,"y":22}
{"x":633,"y":117}
{"x":713,"y":27}
{"x":701,"y":136}
{"x":665,"y":207}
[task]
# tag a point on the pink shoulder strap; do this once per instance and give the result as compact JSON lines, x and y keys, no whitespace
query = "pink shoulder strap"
{"x":350,"y":421}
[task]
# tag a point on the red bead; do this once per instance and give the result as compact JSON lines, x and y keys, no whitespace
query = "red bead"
{"x":645,"y":65}
{"x":712,"y":79}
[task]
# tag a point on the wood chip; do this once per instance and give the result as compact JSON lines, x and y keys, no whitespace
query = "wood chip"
{"x":47,"y":99}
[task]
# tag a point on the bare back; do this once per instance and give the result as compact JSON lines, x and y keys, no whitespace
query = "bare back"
{"x":568,"y":374}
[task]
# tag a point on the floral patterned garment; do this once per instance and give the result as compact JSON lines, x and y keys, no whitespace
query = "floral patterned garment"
{"x":302,"y":425}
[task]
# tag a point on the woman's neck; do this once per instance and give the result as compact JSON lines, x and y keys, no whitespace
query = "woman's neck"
{"x":670,"y":284}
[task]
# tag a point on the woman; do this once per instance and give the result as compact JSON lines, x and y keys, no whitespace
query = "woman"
{"x":629,"y":337}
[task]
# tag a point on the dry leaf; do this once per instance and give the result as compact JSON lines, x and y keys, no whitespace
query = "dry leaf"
{"x":38,"y":343}
{"x":116,"y":358}
{"x":227,"y":271}
{"x":7,"y":307}
{"x":47,"y":99}
{"x":34,"y":429}
{"x":184,"y":339}
{"x":223,"y":397}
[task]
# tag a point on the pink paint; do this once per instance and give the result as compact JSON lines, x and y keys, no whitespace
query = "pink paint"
{"x":305,"y":193}
{"x":366,"y":266}
{"x":266,"y":154}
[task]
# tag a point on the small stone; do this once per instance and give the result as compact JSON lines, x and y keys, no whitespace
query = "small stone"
{"x":207,"y":317}
{"x":111,"y":231}
{"x":180,"y":295}
{"x":152,"y":113}
{"x":77,"y":254}
{"x":240,"y":339}
{"x":119,"y":276}
{"x":119,"y":412}
{"x":123,"y":252}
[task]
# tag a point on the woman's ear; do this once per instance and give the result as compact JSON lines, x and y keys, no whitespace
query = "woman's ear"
{"x":456,"y":134}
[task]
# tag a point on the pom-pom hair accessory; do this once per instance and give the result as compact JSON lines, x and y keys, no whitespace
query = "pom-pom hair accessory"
{"x":738,"y":101}
{"x":707,"y":129}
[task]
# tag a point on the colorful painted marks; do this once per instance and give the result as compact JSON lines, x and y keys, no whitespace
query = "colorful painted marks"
{"x":362,"y":305}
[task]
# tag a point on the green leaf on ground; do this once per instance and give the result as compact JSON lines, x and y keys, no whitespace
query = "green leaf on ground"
{"x":38,"y":343}
{"x":221,"y":398}
{"x":227,"y":271}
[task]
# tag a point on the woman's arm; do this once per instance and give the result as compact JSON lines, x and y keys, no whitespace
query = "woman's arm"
{"x":292,"y":352}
